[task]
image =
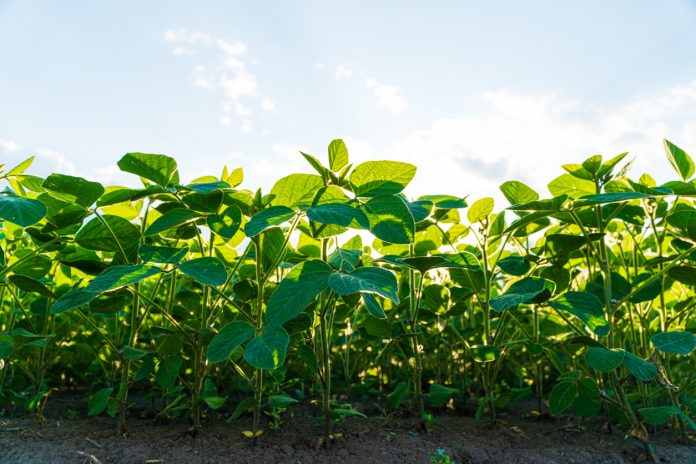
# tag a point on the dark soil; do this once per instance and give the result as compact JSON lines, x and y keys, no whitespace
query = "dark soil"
{"x":363,"y":441}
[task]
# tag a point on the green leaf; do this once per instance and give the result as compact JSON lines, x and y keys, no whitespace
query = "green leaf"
{"x":280,"y":401}
{"x":420,"y":209}
{"x":134,"y":353}
{"x":366,"y":279}
{"x":160,"y":169}
{"x":514,"y":265}
{"x":440,"y":395}
{"x":296,"y":291}
{"x":659,"y":415}
{"x":226,"y":224}
{"x":99,"y":401}
{"x":168,"y":371}
{"x":113,"y":234}
{"x":562,"y":396}
{"x":207,"y":187}
{"x":551,"y":205}
{"x":172,"y":218}
{"x":117,"y":277}
{"x":228,"y":339}
{"x":586,"y":307}
{"x":376,"y":178}
{"x":524,"y":291}
{"x":270,"y":217}
{"x":640,"y":368}
{"x":6,"y":346}
{"x":296,"y":190}
{"x":338,"y":155}
{"x":71,"y":300}
{"x":21,"y":211}
{"x":604,"y":360}
{"x":675,"y":342}
{"x":518,"y":193}
{"x":373,"y":306}
{"x":566,"y":184}
{"x":444,"y":201}
{"x":615,"y":197}
{"x":684,"y":274}
{"x":648,"y":292}
{"x":73,"y":189}
{"x":480,"y":209}
{"x":339,"y":214}
{"x":390,"y":219}
{"x":679,"y":159}
{"x":268,"y":349}
{"x":161,"y":255}
{"x":29,"y":284}
{"x":207,"y":270}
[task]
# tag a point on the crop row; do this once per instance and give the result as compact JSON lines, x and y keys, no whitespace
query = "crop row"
{"x":336,"y":285}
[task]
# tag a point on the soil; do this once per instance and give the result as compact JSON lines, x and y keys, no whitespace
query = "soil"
{"x":364,"y":441}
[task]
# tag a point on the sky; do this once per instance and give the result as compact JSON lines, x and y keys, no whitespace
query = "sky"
{"x":473,"y":93}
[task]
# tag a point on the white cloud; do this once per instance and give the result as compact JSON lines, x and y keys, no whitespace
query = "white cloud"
{"x":344,"y":72}
{"x":528,"y":137}
{"x":226,"y":71}
{"x":319,"y":66}
{"x":8,"y":146}
{"x":60,"y":163}
{"x":388,"y":96}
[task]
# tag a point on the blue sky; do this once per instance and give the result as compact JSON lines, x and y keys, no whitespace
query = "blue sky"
{"x":474,"y":93}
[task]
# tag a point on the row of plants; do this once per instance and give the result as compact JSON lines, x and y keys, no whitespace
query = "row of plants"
{"x":337,"y":286}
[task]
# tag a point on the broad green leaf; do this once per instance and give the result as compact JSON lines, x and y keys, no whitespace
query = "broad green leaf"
{"x":565,"y":184}
{"x":21,"y":211}
{"x":296,"y":190}
{"x":268,"y":349}
{"x":117,"y":277}
{"x":444,"y":201}
{"x":604,"y":360}
{"x":73,"y":189}
{"x":366,"y":280}
{"x":550,"y":205}
{"x":424,"y":264}
{"x":29,"y":284}
{"x":71,"y":300}
{"x":586,"y":307}
{"x":390,"y":219}
{"x":376,"y":178}
{"x":518,"y":193}
{"x":20,"y":168}
{"x":679,"y":159}
{"x":108,"y":233}
{"x":230,"y":337}
{"x":160,"y":169}
{"x":605,"y":198}
{"x":684,"y":274}
{"x":440,"y":394}
{"x":296,"y":291}
{"x":271,"y":217}
{"x":524,"y":291}
{"x":480,"y":210}
{"x":373,"y":306}
{"x":420,"y":209}
{"x":514,"y":265}
{"x":227,"y":223}
{"x":134,"y":353}
{"x":660,"y":415}
{"x":6,"y":346}
{"x":647,"y":292}
{"x":207,"y":187}
{"x":161,"y":255}
{"x":280,"y":401}
{"x":167,"y":372}
{"x":99,"y":401}
{"x":643,"y":370}
{"x":562,"y":396}
{"x":675,"y":342}
{"x":207,"y":270}
{"x":172,"y":218}
{"x":339,"y":214}
{"x":338,"y":155}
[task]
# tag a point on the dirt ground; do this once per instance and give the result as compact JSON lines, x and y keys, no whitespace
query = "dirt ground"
{"x":364,"y":441}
